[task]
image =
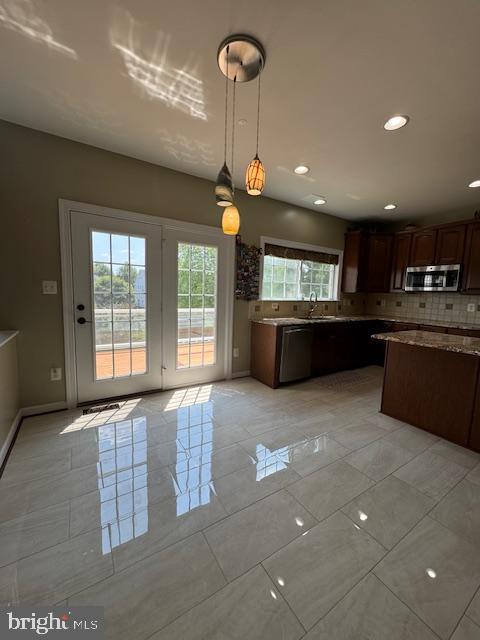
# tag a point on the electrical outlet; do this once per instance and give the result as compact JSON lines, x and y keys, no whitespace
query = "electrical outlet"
{"x":236,"y":352}
{"x":275,"y":306}
{"x":49,"y":287}
{"x":471,"y":307}
{"x":55,"y":374}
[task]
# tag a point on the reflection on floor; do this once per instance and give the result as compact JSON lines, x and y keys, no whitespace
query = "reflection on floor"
{"x":235,"y":511}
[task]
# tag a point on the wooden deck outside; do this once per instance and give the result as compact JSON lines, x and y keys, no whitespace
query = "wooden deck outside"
{"x":122,"y":359}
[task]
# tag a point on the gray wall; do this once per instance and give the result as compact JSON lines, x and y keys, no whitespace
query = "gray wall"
{"x":38,"y":168}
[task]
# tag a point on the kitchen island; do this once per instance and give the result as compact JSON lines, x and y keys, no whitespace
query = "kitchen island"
{"x":431,"y":381}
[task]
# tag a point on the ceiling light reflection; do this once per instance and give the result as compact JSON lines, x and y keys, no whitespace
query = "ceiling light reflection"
{"x":363,"y":516}
{"x":431,"y":573}
{"x":299,"y":522}
{"x":281,"y":581}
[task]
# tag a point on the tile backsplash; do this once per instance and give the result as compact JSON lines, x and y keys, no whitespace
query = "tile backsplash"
{"x":353,"y":304}
{"x":443,"y":307}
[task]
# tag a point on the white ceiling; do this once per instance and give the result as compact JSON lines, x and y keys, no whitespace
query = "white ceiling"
{"x":108,"y":74}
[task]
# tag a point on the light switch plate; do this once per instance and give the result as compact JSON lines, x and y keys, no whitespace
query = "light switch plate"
{"x":236,"y":352}
{"x":471,"y":307}
{"x":275,"y":306}
{"x":55,"y":374}
{"x":49,"y":287}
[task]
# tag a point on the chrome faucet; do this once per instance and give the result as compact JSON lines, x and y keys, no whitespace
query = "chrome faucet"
{"x":313,"y":303}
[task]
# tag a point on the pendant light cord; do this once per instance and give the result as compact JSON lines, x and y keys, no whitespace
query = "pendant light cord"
{"x":226,"y":111}
{"x":258,"y":110}
{"x":233,"y":118}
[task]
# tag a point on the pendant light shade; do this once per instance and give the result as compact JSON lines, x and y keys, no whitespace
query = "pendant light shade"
{"x":224,"y":187}
{"x":255,"y":177}
{"x":231,"y":221}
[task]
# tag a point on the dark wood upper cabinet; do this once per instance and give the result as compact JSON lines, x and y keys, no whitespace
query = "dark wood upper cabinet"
{"x":401,"y":256}
{"x":471,"y":280}
{"x":379,"y":262}
{"x":354,"y":262}
{"x":450,"y":244}
{"x":423,"y":248}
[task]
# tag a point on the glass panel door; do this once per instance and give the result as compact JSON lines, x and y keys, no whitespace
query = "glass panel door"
{"x":120,"y":304}
{"x":117,"y":306}
{"x":194,"y":307}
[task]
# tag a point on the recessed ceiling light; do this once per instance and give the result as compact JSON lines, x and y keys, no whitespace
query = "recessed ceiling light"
{"x":319,"y":200}
{"x":475,"y":183}
{"x":242,"y":122}
{"x":302,"y":169}
{"x":390,"y":206}
{"x":395,"y":122}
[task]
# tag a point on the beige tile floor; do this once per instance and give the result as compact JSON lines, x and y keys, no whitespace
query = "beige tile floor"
{"x":235,"y":511}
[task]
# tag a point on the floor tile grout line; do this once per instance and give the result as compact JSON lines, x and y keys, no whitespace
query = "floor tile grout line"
{"x":214,"y":555}
{"x":407,"y":606}
{"x":287,"y":603}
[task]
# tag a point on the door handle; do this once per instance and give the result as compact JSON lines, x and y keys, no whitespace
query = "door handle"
{"x":83,"y":321}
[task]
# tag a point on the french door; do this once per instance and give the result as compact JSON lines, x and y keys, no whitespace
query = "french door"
{"x":149,"y":305}
{"x":195,"y":332}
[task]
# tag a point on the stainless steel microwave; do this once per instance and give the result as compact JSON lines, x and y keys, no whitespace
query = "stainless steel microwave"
{"x":444,"y":277}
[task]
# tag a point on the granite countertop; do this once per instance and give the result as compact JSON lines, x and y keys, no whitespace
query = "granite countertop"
{"x":446,"y":342}
{"x":280,"y":322}
{"x":5,"y":336}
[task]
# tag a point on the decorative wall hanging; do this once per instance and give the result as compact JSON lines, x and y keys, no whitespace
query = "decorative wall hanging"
{"x":248,"y":271}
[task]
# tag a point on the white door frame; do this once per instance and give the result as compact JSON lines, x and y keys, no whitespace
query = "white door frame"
{"x":64,"y":209}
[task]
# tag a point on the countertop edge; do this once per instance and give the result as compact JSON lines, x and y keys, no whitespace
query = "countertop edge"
{"x":426,"y":341}
{"x":6,"y":336}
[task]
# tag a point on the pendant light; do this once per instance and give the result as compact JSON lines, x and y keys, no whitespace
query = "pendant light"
{"x":224,"y":184}
{"x":240,"y":58}
{"x":255,"y":175}
{"x":231,"y":216}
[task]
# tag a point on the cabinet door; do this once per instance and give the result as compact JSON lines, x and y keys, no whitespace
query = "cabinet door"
{"x":423,"y":248}
{"x":401,"y":255}
{"x":450,"y":245}
{"x":353,"y":262}
{"x":379,"y":262}
{"x":471,"y":281}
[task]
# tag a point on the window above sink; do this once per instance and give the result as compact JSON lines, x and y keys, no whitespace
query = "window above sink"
{"x":296,"y":271}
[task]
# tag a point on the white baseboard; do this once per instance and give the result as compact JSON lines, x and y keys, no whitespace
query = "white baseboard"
{"x":11,"y":435}
{"x":43,"y":408}
{"x":240,"y":374}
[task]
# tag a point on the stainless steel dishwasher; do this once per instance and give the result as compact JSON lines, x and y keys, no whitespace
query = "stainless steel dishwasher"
{"x":296,"y":358}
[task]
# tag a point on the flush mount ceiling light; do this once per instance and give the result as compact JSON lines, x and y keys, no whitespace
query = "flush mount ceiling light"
{"x":396,"y":122}
{"x":475,"y":183}
{"x":390,"y":206}
{"x":319,"y":200}
{"x":302,"y":169}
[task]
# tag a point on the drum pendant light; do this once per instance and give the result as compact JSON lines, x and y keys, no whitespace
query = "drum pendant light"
{"x":255,"y":175}
{"x":230,"y":221}
{"x":224,"y":184}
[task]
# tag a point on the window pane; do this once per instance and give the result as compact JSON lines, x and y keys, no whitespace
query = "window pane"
{"x":138,"y":282}
{"x":100,"y":246}
{"x":137,"y":251}
{"x":278,"y":290}
{"x":102,"y":277}
{"x":119,"y":314}
{"x":197,"y":272}
{"x":120,"y":250}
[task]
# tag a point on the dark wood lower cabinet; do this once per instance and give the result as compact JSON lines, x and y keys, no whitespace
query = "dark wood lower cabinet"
{"x":433,"y":389}
{"x":265,"y":351}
